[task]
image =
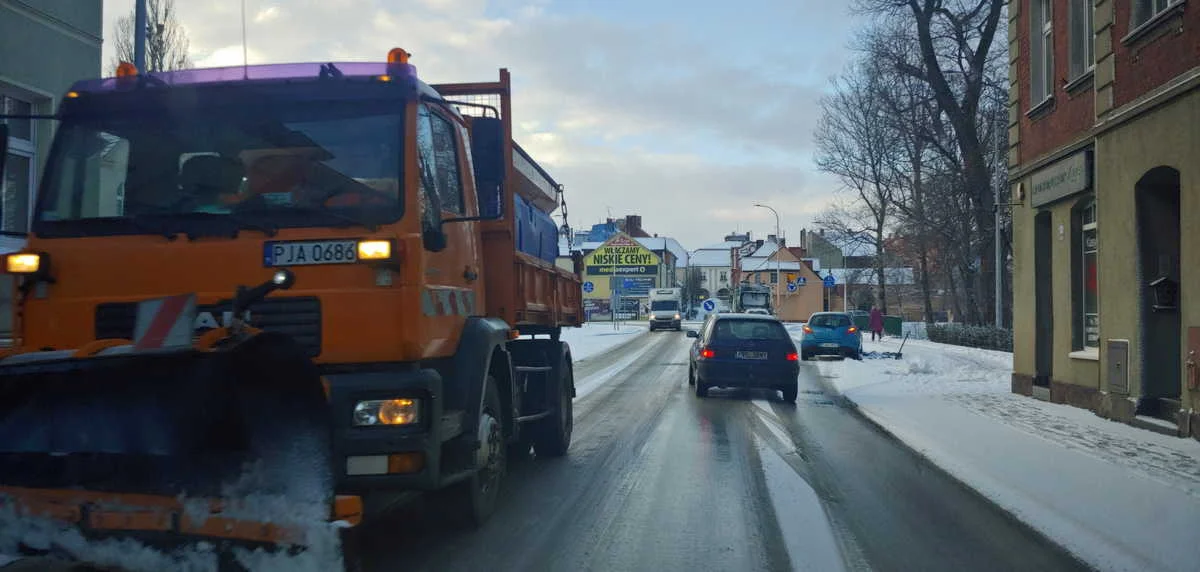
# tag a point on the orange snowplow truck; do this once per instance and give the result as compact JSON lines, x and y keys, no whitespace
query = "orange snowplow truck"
{"x":328,"y":280}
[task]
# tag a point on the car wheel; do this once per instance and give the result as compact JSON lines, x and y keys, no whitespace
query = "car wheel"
{"x":701,"y":389}
{"x":691,"y":376}
{"x":804,"y":355}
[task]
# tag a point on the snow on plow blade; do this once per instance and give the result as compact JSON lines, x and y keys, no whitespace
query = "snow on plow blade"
{"x":131,"y":532}
{"x":188,"y":450}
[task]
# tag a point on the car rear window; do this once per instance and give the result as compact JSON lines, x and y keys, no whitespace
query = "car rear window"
{"x":830,"y":321}
{"x":734,"y":330}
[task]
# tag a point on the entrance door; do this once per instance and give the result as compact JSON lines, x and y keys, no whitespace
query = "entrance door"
{"x":1158,"y":252}
{"x":1043,"y":319}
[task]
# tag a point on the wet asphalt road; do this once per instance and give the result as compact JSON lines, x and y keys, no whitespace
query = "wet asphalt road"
{"x":658,"y":479}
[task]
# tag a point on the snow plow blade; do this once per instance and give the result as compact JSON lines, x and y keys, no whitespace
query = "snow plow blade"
{"x":226,"y":444}
{"x":57,"y":529}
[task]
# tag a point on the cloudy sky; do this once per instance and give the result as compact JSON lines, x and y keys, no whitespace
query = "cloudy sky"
{"x":683,"y":111}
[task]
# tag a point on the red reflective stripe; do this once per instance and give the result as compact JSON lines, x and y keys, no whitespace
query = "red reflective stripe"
{"x":166,"y":316}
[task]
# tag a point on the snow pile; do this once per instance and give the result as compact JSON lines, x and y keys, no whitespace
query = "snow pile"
{"x":1118,"y":497}
{"x":595,"y":338}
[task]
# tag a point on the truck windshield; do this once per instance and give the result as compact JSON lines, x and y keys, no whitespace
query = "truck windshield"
{"x":664,"y":306}
{"x":289,"y":164}
{"x":754,"y":299}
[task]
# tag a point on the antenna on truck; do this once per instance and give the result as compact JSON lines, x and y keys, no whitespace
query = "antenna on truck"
{"x":245,"y":59}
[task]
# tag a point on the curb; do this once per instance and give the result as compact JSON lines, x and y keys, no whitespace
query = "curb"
{"x":873,"y":420}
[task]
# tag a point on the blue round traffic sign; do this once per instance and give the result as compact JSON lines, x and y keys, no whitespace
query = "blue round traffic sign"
{"x":829,"y":281}
{"x":791,"y":286}
{"x":709,"y":305}
{"x":588,"y":286}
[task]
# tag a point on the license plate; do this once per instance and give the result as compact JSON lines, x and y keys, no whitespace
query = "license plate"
{"x":829,"y":345}
{"x":751,"y":355}
{"x":305,"y":252}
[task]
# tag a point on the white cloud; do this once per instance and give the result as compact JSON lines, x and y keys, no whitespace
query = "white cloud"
{"x":661,"y":121}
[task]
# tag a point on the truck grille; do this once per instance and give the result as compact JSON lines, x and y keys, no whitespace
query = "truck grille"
{"x":299,"y":318}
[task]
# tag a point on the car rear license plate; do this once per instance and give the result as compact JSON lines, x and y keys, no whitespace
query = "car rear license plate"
{"x":751,"y":355}
{"x":304,"y":252}
{"x":829,"y":345}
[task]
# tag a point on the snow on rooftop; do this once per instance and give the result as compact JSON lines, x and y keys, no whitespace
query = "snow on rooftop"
{"x":707,"y":257}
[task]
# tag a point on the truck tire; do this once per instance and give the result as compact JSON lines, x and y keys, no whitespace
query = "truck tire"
{"x":474,"y":500}
{"x":552,"y":435}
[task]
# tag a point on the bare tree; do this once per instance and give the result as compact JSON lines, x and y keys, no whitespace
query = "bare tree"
{"x":958,"y":57}
{"x":166,"y":40}
{"x":855,"y":143}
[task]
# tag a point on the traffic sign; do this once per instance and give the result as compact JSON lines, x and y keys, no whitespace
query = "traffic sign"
{"x":709,"y":305}
{"x":588,"y":287}
{"x":791,"y":286}
{"x":803,"y":281}
{"x":830,"y":281}
{"x":628,"y":283}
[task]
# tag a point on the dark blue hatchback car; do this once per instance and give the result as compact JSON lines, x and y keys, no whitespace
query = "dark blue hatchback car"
{"x":745,"y":351}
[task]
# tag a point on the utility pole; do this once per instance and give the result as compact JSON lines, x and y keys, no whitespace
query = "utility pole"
{"x":139,"y":35}
{"x":778,"y":246}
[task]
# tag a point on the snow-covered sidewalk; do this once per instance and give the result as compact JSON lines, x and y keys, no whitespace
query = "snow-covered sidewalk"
{"x":595,"y":338}
{"x":1118,"y":497}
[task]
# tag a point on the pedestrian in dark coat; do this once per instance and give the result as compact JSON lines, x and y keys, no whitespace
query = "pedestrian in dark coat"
{"x":876,"y":324}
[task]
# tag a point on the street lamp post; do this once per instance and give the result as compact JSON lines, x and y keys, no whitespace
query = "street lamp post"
{"x":778,"y":245}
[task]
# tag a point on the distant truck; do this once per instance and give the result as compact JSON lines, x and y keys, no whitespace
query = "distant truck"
{"x":666,"y":305}
{"x":753,"y":297}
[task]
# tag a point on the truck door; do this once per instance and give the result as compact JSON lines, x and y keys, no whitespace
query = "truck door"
{"x":452,"y":288}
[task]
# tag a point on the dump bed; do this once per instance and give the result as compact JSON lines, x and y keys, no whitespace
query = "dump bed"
{"x":523,"y":284}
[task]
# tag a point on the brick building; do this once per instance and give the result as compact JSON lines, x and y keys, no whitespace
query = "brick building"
{"x":1104,"y":165}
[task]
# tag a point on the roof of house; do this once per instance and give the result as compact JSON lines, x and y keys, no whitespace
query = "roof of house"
{"x":866,"y":276}
{"x":710,"y":258}
{"x":762,"y":264}
{"x":723,"y":245}
{"x":658,"y":244}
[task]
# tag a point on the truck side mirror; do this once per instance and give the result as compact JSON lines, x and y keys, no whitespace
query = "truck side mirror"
{"x":3,"y":150}
{"x":433,"y":239}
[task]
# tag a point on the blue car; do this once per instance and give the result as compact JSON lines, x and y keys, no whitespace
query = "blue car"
{"x":744,"y":351}
{"x":831,"y":334}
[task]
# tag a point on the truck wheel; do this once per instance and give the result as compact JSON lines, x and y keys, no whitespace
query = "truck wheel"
{"x":474,"y":500}
{"x":552,"y":435}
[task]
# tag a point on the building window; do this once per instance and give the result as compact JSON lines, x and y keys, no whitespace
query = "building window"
{"x":1041,"y":52}
{"x":774,"y":277}
{"x":1083,"y":52}
{"x":16,"y":189}
{"x":1087,"y":305}
{"x":1146,"y":10}
{"x":724,"y":276}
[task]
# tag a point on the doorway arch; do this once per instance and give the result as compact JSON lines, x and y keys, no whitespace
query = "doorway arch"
{"x":1158,"y":241}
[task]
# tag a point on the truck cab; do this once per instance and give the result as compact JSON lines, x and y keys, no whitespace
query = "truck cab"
{"x":666,"y":310}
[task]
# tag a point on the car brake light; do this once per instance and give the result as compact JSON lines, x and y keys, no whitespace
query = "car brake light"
{"x":793,"y":356}
{"x":852,"y":330}
{"x":807,"y":329}
{"x":707,"y":353}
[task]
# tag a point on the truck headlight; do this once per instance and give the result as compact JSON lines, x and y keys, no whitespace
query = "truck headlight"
{"x":402,"y":411}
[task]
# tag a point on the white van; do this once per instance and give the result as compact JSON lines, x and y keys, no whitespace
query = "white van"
{"x":666,"y":309}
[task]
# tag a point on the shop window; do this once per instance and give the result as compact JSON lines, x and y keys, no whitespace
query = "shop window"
{"x":1085,"y":244}
{"x":1041,"y":48}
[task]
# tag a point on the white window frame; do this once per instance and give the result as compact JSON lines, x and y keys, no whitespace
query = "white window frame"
{"x":1083,"y":42}
{"x":1147,"y":10}
{"x":1041,"y":52}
